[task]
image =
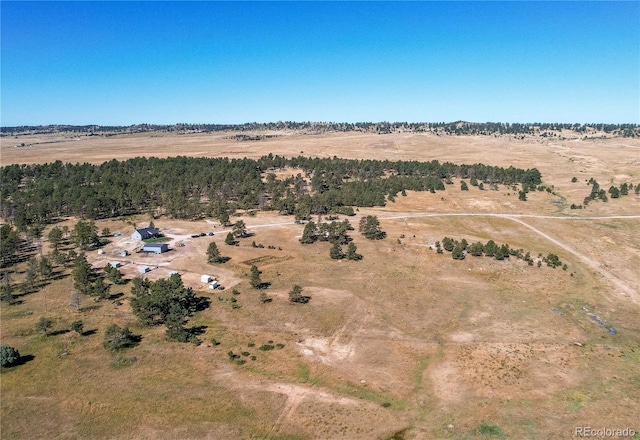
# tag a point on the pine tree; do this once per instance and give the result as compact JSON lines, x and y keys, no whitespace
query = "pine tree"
{"x":8,"y":355}
{"x":310,"y":233}
{"x":476,"y":249}
{"x":336,"y":252}
{"x":213,"y":254}
{"x":230,"y":240}
{"x":99,"y":289}
{"x":615,"y":192}
{"x":55,"y":237}
{"x":351,"y":252}
{"x":369,"y":226}
{"x":295,"y":295}
{"x":6,"y":292}
{"x":255,"y":280}
{"x":624,"y":189}
{"x":44,"y":268}
{"x":85,"y":234}
{"x":457,"y":253}
{"x":81,"y":274}
{"x":31,"y":273}
{"x":239,"y":229}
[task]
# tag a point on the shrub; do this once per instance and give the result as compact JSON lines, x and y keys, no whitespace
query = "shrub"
{"x":77,"y":326}
{"x":116,"y":338}
{"x":44,"y":325}
{"x":266,"y":347}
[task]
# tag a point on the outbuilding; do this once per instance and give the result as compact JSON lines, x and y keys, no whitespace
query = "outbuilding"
{"x":155,"y":248}
{"x":213,"y":285}
{"x":205,"y":278}
{"x":144,"y":269}
{"x":173,"y":272}
{"x":115,"y":264}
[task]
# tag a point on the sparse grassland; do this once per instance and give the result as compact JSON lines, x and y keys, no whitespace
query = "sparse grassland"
{"x":403,"y":344}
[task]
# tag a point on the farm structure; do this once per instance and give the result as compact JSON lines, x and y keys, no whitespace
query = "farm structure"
{"x":155,"y":248}
{"x":144,"y":233}
{"x":144,"y":269}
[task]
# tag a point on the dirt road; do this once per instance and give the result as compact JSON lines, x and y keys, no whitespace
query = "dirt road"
{"x":518,"y":218}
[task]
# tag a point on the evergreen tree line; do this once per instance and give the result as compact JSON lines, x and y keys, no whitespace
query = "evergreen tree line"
{"x":450,"y":128}
{"x":598,"y":193}
{"x":191,"y":188}
{"x":459,"y":249}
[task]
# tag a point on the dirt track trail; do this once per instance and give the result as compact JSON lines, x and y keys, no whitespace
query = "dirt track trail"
{"x":518,"y":218}
{"x":631,"y":292}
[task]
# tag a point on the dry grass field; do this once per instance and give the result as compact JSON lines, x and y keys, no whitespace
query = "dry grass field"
{"x":405,"y":344}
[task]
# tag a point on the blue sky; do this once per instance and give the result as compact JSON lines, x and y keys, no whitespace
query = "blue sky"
{"x":121,"y":63}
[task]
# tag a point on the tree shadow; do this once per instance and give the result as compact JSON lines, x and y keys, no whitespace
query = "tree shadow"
{"x":24,"y":359}
{"x":89,"y":332}
{"x":264,"y":285}
{"x":115,"y":296}
{"x":59,"y":276}
{"x":197,"y":330}
{"x":89,"y":308}
{"x":21,"y":294}
{"x":202,"y":303}
{"x":59,"y":332}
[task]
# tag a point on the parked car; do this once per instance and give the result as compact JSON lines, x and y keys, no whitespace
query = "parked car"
{"x":210,"y":234}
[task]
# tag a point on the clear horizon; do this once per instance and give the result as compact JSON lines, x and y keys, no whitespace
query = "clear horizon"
{"x":127,"y":63}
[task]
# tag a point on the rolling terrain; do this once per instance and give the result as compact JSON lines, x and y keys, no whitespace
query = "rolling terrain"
{"x":407,"y":343}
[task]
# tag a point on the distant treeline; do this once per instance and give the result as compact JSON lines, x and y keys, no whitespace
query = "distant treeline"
{"x":191,"y":188}
{"x":459,"y":128}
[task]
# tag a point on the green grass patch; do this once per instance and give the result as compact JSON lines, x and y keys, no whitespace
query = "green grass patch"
{"x":17,"y":314}
{"x":157,"y":240}
{"x":266,"y":259}
{"x":123,"y":362}
{"x":488,"y":430}
{"x":364,"y":393}
{"x":575,"y":401}
{"x":303,"y":374}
